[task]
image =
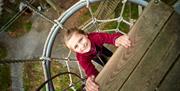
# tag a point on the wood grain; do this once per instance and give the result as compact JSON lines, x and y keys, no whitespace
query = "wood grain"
{"x":158,"y":59}
{"x":120,"y":66}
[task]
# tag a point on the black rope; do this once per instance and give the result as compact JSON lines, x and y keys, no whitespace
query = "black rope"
{"x":63,"y":73}
{"x":10,"y":61}
{"x":30,"y":60}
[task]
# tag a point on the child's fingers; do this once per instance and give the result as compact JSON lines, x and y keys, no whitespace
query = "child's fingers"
{"x":91,"y":85}
{"x":124,"y":41}
{"x":125,"y":44}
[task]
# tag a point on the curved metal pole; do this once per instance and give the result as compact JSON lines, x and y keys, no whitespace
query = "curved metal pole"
{"x":140,"y":2}
{"x":52,"y":35}
{"x":62,"y":19}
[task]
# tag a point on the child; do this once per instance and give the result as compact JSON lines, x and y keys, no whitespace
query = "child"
{"x":89,"y":46}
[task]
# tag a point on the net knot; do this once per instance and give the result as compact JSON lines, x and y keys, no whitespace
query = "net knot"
{"x":45,"y":58}
{"x":59,"y":24}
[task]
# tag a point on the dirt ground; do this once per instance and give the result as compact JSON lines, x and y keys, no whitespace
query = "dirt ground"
{"x":31,"y":43}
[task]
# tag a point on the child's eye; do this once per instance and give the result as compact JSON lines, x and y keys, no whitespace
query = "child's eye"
{"x":75,"y":46}
{"x":80,"y":40}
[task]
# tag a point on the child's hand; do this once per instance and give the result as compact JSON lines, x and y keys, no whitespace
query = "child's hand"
{"x":123,"y":40}
{"x":91,"y":85}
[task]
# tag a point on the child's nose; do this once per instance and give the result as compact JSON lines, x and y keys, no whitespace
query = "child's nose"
{"x":80,"y":45}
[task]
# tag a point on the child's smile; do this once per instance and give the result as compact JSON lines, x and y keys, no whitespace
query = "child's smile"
{"x":79,"y":43}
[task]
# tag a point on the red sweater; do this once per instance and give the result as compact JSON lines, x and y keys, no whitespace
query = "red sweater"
{"x":97,"y":39}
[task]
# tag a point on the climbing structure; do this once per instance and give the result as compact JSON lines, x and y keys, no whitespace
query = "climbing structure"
{"x":149,"y":64}
{"x":93,"y":23}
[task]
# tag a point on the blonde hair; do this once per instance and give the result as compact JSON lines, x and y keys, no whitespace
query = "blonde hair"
{"x":69,"y":32}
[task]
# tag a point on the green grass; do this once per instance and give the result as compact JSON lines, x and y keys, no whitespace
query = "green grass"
{"x":87,"y":14}
{"x":9,"y":12}
{"x":5,"y":17}
{"x":123,"y":27}
{"x":21,"y":26}
{"x":22,"y":23}
{"x":3,"y":52}
{"x":33,"y":76}
{"x":5,"y":80}
{"x":112,"y":25}
{"x":33,"y":73}
{"x":28,"y":26}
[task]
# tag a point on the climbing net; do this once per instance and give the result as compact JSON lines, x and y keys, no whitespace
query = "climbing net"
{"x":59,"y":25}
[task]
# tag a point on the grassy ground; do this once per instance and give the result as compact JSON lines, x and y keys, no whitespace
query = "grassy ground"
{"x":33,"y":73}
{"x":5,"y":80}
{"x":20,"y":26}
{"x":131,"y":11}
{"x":33,"y":76}
{"x":87,"y":14}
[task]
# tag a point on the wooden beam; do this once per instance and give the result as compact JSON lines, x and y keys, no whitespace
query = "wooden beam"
{"x":172,"y":80}
{"x":157,"y":61}
{"x":122,"y":63}
{"x":169,"y":2}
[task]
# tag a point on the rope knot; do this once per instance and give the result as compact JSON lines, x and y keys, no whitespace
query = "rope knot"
{"x":45,"y":58}
{"x":59,"y":24}
{"x":119,"y":19}
{"x":124,"y":1}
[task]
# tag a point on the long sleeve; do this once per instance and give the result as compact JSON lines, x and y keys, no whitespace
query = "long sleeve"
{"x":102,"y":38}
{"x":87,"y":65}
{"x":97,"y":39}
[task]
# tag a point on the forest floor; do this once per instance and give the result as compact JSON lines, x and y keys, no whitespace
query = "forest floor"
{"x":31,"y":43}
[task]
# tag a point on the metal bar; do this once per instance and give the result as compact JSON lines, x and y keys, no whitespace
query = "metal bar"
{"x":140,"y":2}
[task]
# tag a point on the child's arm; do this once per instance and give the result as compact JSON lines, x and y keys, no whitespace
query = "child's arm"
{"x":123,"y":40}
{"x":90,"y":71}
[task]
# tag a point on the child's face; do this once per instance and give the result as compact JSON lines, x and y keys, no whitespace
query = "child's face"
{"x":79,"y":43}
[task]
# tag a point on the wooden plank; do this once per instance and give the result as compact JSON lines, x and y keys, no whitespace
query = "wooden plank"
{"x":172,"y":81}
{"x":158,"y":59}
{"x":169,"y":2}
{"x":122,"y":63}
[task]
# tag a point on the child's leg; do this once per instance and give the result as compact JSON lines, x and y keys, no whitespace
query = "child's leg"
{"x":100,"y":60}
{"x":106,"y":52}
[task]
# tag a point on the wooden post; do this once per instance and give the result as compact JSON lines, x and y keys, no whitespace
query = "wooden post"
{"x":169,"y":2}
{"x":164,"y":52}
{"x":117,"y":72}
